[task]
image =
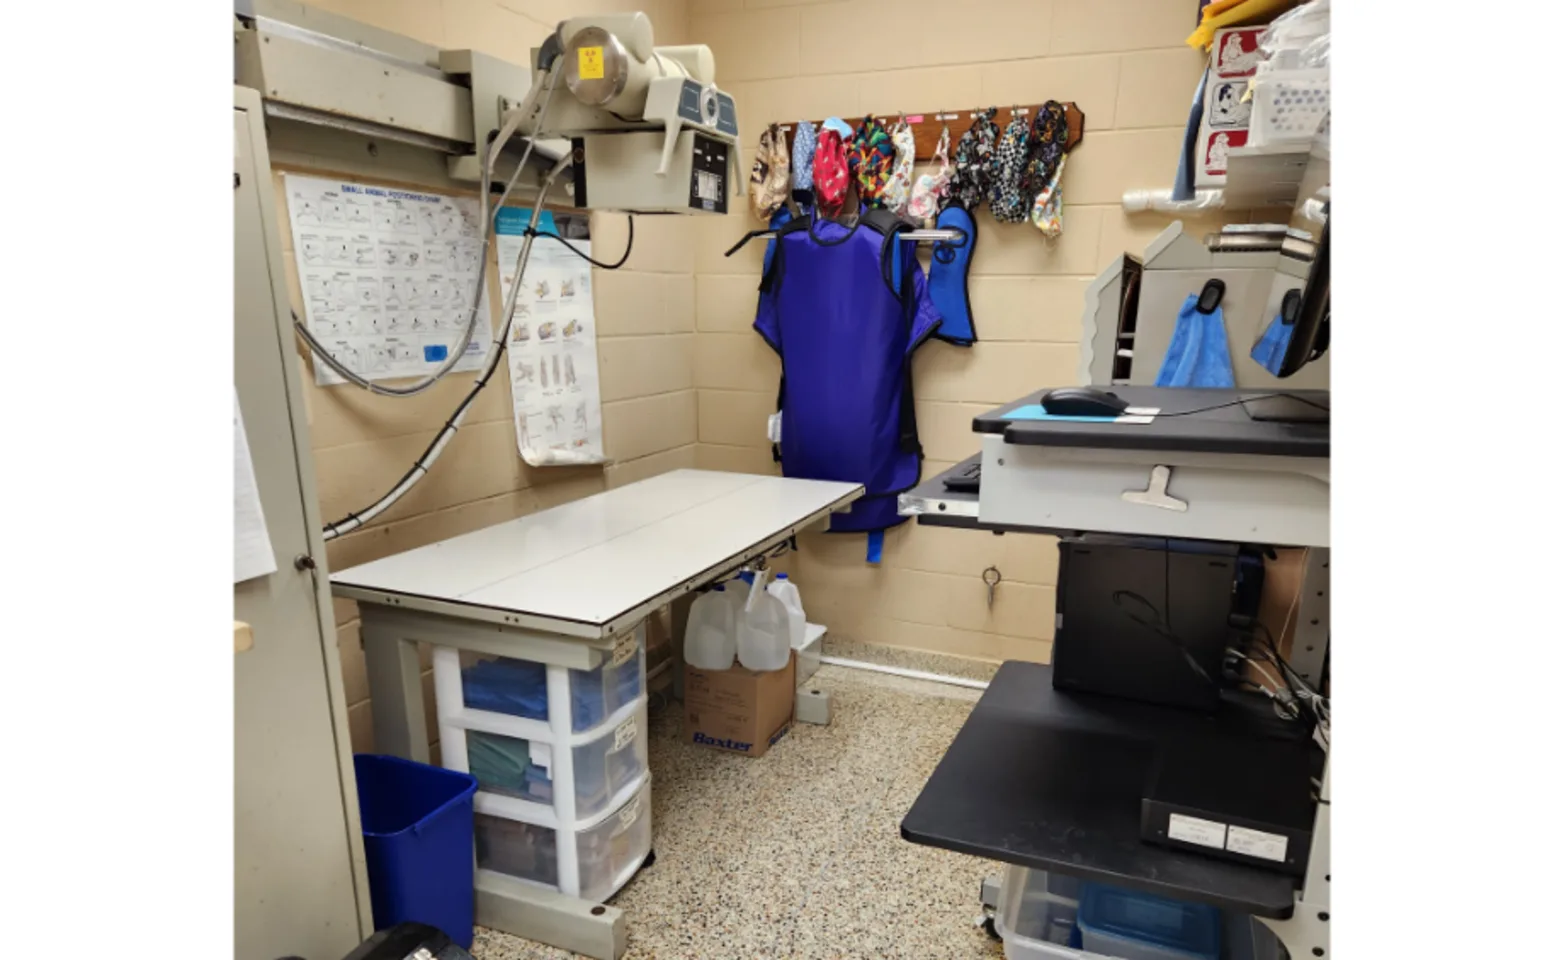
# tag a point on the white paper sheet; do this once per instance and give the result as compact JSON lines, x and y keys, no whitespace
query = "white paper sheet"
{"x":553,"y":342}
{"x":253,"y":555}
{"x":387,"y":275}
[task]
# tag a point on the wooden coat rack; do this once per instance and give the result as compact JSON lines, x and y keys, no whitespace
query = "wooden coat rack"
{"x":926,"y":126}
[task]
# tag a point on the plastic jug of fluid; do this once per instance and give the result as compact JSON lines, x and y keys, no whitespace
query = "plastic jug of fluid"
{"x":710,"y":635}
{"x":736,"y":595}
{"x":763,"y":633}
{"x":787,"y":591}
{"x":739,"y":589}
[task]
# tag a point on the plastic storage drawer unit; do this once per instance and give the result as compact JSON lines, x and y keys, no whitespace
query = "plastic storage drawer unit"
{"x":1140,"y":926}
{"x":560,"y":755}
{"x":607,"y":852}
{"x":603,"y":766}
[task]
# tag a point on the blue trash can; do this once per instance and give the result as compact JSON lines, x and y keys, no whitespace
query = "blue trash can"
{"x":417,"y":823}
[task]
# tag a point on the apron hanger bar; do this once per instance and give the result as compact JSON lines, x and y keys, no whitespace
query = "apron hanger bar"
{"x":927,"y":124}
{"x":919,"y":235}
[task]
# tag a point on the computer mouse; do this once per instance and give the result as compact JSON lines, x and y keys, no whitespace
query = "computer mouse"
{"x":1082,"y":402}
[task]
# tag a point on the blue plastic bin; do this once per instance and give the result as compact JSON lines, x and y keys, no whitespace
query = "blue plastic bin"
{"x":417,"y":823}
{"x":1139,"y":926}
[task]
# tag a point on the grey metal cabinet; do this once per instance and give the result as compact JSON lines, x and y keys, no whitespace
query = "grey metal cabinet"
{"x":299,"y":881}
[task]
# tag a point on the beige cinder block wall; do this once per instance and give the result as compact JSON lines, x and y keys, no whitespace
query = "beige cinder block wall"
{"x":363,"y":444}
{"x":1125,"y":64}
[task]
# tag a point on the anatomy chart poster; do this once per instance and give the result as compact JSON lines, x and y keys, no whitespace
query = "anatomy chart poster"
{"x":553,"y":341}
{"x":388,"y":276}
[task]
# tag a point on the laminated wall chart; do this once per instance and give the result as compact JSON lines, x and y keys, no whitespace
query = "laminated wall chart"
{"x":387,"y":276}
{"x":553,"y":342}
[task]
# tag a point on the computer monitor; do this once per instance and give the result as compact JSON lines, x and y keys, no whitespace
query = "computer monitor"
{"x":1300,"y":331}
{"x":1309,"y":332}
{"x":1296,"y":336}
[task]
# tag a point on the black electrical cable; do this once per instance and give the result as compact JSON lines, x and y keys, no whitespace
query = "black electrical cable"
{"x":1274,"y":654}
{"x":418,"y":464}
{"x":497,"y":352}
{"x":1259,"y":687}
{"x":1291,"y":678}
{"x":1119,"y":596}
{"x":483,"y":381}
{"x":629,"y":245}
{"x":1234,"y":403}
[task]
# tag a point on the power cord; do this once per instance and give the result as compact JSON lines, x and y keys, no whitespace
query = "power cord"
{"x":1160,"y":623}
{"x":1234,"y":403}
{"x":1119,"y":596}
{"x":1289,"y":688}
{"x":1292,"y":689}
{"x":629,"y":245}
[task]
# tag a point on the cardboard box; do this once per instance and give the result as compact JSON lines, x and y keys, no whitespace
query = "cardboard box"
{"x":738,"y":710}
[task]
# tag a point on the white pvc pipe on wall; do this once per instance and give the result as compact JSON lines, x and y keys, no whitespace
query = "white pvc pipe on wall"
{"x":906,"y":672}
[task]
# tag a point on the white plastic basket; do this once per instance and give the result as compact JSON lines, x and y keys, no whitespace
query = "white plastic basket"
{"x":1289,"y":108}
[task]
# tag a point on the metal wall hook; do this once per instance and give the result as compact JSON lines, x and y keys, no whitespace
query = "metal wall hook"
{"x":991,"y":579}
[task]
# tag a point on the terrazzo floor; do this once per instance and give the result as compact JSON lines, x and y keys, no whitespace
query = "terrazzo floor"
{"x":797,"y":853}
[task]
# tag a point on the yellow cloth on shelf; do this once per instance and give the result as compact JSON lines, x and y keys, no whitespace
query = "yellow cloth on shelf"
{"x":1239,"y":12}
{"x":1218,"y":6}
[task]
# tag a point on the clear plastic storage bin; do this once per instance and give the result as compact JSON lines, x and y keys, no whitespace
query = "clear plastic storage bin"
{"x":519,"y":688}
{"x":607,"y":853}
{"x":603,"y":766}
{"x":1143,"y":926}
{"x":1036,"y":915}
{"x":1038,"y":912}
{"x":524,"y":850}
{"x":611,"y":852}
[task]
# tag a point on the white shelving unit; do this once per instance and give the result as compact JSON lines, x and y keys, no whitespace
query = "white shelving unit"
{"x":1274,"y":176}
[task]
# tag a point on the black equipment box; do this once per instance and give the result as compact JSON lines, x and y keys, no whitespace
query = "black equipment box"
{"x":1252,"y":803}
{"x":1121,"y":600}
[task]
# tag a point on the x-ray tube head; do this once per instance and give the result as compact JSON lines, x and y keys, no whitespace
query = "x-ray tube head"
{"x":650,"y":129}
{"x":597,"y":67}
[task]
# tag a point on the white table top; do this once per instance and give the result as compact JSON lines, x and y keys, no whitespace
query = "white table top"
{"x":582,"y":567}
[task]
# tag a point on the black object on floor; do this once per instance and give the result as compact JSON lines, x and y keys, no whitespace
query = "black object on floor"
{"x":1054,"y":780}
{"x":409,"y":941}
